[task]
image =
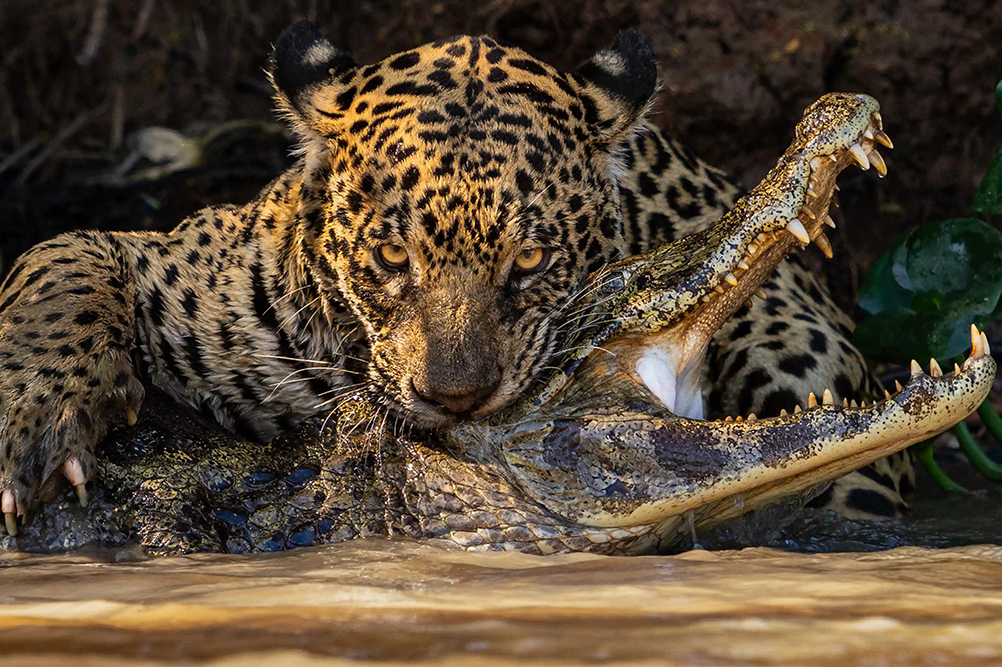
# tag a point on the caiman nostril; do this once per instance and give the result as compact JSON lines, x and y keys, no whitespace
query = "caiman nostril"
{"x":459,"y":399}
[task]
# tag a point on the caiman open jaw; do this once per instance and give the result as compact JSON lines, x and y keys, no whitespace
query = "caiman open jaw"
{"x":667,"y":303}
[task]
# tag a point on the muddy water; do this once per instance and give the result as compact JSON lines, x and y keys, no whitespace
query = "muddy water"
{"x":386,"y":601}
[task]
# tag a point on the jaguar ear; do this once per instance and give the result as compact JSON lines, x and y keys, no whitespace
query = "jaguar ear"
{"x":618,"y":83}
{"x":310,"y":76}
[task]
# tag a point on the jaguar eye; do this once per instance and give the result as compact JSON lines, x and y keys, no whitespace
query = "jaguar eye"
{"x":531,"y":260}
{"x":392,"y":257}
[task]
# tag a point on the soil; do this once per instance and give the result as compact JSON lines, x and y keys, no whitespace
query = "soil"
{"x":80,"y":80}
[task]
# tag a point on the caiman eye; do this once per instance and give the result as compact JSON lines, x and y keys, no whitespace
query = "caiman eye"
{"x":392,"y":257}
{"x":531,"y":260}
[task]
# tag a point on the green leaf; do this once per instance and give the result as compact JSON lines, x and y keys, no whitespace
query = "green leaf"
{"x":988,"y":198}
{"x":923,"y":295}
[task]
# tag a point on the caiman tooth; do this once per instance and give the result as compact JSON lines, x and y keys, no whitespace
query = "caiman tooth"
{"x":749,"y":303}
{"x":833,"y":158}
{"x":718,"y":289}
{"x":739,"y":418}
{"x":743,"y":265}
{"x":915,"y":368}
{"x":810,"y":189}
{"x":956,"y":369}
{"x":783,"y":412}
{"x":827,"y":398}
{"x":984,"y":344}
{"x":878,"y":120}
{"x":934,"y":369}
{"x":884,"y":140}
{"x":752,"y":417}
{"x":728,"y":418}
{"x":752,"y":248}
{"x":887,"y":395}
{"x":868,"y":133}
{"x":796,"y":228}
{"x":860,"y":156}
{"x":829,"y":221}
{"x":845,"y":403}
{"x":878,"y":163}
{"x":897,"y":386}
{"x":760,"y":293}
{"x":812,"y":400}
{"x":825,"y":245}
{"x":731,"y":279}
{"x":853,"y":403}
{"x":808,"y":213}
{"x":977,"y":346}
{"x":796,"y":409}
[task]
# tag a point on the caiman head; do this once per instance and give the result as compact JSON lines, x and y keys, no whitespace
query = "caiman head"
{"x":615,"y":441}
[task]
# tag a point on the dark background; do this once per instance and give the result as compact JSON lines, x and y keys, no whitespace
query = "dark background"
{"x":80,"y":78}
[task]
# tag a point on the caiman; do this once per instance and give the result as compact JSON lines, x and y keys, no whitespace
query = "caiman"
{"x":607,"y":455}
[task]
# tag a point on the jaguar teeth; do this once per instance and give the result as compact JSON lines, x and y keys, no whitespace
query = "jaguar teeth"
{"x":860,"y":156}
{"x":884,"y":140}
{"x":796,"y":228}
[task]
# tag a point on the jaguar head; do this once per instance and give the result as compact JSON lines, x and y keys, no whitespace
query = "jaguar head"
{"x":455,"y":197}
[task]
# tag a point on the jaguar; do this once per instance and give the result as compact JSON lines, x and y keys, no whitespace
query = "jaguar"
{"x":426,"y":250}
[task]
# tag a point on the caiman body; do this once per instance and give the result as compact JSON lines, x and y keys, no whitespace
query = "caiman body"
{"x":609,"y":455}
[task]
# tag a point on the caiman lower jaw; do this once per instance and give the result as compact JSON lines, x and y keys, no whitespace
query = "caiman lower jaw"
{"x":782,"y":456}
{"x":624,"y":470}
{"x":788,"y":210}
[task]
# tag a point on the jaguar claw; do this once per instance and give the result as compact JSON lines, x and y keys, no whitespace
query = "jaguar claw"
{"x":73,"y":471}
{"x":130,"y":416}
{"x":9,"y":507}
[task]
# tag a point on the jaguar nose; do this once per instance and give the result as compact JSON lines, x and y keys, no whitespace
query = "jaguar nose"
{"x":458,"y":398}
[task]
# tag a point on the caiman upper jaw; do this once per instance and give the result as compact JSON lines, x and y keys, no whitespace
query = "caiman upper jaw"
{"x":674,"y":298}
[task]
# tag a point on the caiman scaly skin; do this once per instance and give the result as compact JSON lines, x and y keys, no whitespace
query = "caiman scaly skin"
{"x":594,"y":459}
